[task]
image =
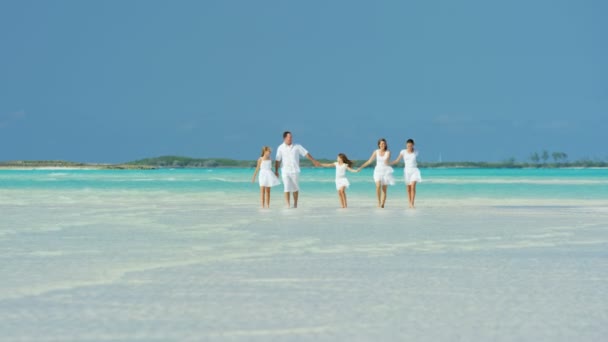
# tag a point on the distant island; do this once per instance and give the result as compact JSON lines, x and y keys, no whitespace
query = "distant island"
{"x":536,"y":161}
{"x":60,"y":164}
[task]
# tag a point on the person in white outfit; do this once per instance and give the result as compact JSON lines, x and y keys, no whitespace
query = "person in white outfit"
{"x":288,"y":159}
{"x":342,"y":164}
{"x":267,"y":179}
{"x":411,"y":173}
{"x":383,"y":172}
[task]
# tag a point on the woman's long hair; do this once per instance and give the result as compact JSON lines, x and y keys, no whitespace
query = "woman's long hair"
{"x":264,"y":149}
{"x":385,"y":143}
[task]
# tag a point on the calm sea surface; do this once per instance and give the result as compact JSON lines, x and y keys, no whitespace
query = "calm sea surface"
{"x":438,"y":183}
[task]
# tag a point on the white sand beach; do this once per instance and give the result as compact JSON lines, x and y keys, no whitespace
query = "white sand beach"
{"x":88,"y":265}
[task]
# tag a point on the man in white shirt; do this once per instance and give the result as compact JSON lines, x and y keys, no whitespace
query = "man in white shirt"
{"x":288,"y":158}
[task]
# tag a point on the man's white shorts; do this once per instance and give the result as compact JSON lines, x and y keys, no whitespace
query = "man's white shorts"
{"x":291,"y":181}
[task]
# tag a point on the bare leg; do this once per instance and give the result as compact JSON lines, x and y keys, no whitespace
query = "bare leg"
{"x":409,"y":195}
{"x":384,"y":190}
{"x":378,"y":192}
{"x":344,"y":197}
{"x":262,"y":195}
{"x":287,"y":199}
{"x":267,"y":197}
{"x":413,"y":186}
{"x":295,"y":198}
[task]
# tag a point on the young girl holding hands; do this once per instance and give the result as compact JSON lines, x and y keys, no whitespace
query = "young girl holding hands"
{"x":410,"y":170}
{"x":342,"y":164}
{"x":267,"y":178}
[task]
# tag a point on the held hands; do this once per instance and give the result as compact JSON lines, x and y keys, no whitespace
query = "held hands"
{"x":316,"y":163}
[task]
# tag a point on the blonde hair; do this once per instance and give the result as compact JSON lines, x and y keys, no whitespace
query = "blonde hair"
{"x":264,"y":149}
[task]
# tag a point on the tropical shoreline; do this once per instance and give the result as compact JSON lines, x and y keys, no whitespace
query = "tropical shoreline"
{"x":177,"y":162}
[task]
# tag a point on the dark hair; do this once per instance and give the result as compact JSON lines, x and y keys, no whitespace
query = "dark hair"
{"x":410,"y":141}
{"x":285,"y":134}
{"x":345,"y":159}
{"x":381,"y":140}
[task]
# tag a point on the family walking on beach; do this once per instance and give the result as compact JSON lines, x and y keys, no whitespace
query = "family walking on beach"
{"x":288,"y":160}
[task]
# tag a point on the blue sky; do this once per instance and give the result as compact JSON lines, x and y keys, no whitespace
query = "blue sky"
{"x":112,"y":81}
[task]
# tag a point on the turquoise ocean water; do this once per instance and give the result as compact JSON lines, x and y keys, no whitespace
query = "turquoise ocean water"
{"x":189,"y":255}
{"x":438,"y":183}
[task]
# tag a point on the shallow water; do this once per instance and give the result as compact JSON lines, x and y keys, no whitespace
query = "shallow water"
{"x":438,"y":183}
{"x":87,"y":260}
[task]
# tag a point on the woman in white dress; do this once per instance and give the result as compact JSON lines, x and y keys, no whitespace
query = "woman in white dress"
{"x":383,"y":173}
{"x":342,"y":164}
{"x":411,"y":173}
{"x":267,"y":178}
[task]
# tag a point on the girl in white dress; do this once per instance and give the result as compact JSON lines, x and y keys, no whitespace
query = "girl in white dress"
{"x":342,"y":164}
{"x":267,"y":178}
{"x":383,"y":173}
{"x":411,"y":172}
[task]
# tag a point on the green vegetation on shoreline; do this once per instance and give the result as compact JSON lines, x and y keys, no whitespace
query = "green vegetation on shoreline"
{"x":186,"y":162}
{"x":32,"y":164}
